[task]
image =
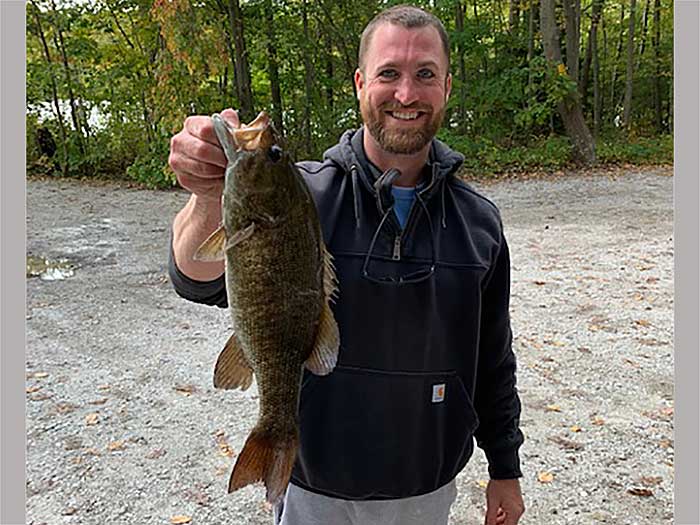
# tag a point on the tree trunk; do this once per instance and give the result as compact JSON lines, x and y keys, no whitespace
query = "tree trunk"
{"x":530,"y":48}
{"x":514,"y":16}
{"x":642,"y":44}
{"x":657,"y":65}
{"x":273,"y":70}
{"x":242,"y":70}
{"x":572,"y":12}
{"x":618,"y":52}
{"x":330,"y":73}
{"x":54,"y":90}
{"x":60,"y":45}
{"x":596,"y":86}
{"x":627,"y":107}
{"x":570,"y":106}
{"x":459,"y":25}
{"x":308,"y":81}
{"x":596,"y":10}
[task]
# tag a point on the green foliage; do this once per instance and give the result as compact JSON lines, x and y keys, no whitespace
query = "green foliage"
{"x":145,"y":65}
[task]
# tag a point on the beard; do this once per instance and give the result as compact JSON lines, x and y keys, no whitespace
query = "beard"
{"x":400,"y":141}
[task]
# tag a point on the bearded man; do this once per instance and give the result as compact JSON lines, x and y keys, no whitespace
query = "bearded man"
{"x":425,"y":363}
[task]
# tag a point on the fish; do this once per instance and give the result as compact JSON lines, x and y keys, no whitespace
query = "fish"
{"x":280,"y":282}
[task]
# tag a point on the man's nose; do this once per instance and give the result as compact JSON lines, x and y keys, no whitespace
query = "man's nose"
{"x":406,"y":91}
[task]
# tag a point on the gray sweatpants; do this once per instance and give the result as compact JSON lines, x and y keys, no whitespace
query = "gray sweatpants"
{"x":301,"y":507}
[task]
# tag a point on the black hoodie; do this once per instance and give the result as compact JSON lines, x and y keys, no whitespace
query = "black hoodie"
{"x":425,"y":362}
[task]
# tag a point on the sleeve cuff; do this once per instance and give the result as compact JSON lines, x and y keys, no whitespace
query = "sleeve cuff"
{"x":211,"y":293}
{"x":504,"y":464}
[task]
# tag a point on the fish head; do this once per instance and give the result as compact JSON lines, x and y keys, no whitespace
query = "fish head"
{"x":262,"y":175}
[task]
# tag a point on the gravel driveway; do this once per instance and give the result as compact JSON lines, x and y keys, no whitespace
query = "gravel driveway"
{"x":124,"y":427}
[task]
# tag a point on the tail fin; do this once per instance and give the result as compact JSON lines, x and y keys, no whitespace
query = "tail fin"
{"x":266,"y":458}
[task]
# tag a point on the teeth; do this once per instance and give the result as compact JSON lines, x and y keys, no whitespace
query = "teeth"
{"x":404,"y":116}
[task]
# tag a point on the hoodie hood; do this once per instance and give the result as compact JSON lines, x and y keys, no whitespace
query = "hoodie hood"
{"x":349,"y":153}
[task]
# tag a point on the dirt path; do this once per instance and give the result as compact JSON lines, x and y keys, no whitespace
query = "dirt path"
{"x":123,"y":425}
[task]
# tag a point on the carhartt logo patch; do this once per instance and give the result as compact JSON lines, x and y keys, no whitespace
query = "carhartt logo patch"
{"x":439,"y":393}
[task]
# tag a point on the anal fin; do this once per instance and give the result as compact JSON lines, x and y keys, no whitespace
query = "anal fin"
{"x":232,"y":369}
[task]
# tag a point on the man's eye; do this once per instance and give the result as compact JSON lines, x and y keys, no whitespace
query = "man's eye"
{"x":426,"y":73}
{"x":388,"y":73}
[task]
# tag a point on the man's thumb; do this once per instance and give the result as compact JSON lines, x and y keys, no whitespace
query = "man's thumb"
{"x":231,"y":116}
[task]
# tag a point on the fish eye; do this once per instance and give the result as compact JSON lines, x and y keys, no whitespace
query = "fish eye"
{"x":274,"y":153}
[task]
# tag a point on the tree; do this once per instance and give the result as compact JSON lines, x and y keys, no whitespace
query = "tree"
{"x":569,"y":106}
{"x":627,"y":107}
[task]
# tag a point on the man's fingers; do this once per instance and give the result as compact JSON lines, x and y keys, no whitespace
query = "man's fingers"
{"x":201,"y":127}
{"x":231,"y":116}
{"x":491,"y":514}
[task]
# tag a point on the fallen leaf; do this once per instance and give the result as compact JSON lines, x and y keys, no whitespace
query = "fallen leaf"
{"x":650,"y":481}
{"x":545,"y":477}
{"x":540,"y":283}
{"x":93,"y":452}
{"x":32,"y":389}
{"x":652,"y":279}
{"x":66,"y":408}
{"x":103,"y":387}
{"x":642,"y":322}
{"x":41,"y":396}
{"x":115,"y":445}
{"x":185,"y":389}
{"x":220,"y":471}
{"x":92,"y":419}
{"x":69,"y":511}
{"x":180,"y":519}
{"x":598,"y":421}
{"x":553,"y":408}
{"x":666,"y":443}
{"x":40,"y":375}
{"x":640,"y":492}
{"x":566,"y":444}
{"x":156,"y":453}
{"x":575,"y":428}
{"x":100,"y":401}
{"x":482,"y":483}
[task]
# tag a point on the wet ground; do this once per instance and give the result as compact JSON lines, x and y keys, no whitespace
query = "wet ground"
{"x":123,"y":425}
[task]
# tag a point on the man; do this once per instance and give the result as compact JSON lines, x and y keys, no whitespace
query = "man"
{"x":425,"y":360}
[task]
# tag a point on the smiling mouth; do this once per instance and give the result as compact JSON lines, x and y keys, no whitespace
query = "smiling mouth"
{"x":405,"y":115}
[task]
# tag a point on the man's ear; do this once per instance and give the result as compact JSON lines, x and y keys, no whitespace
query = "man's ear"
{"x":448,"y":86}
{"x":359,"y":82}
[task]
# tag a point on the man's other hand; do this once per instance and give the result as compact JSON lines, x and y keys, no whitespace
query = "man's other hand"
{"x":504,"y":502}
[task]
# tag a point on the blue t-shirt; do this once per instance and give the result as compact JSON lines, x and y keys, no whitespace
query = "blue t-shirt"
{"x":403,"y":198}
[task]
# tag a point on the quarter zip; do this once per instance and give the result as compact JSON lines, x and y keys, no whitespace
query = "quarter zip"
{"x":396,"y":256}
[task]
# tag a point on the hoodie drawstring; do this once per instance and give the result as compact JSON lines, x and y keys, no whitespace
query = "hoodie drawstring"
{"x":442,"y":199}
{"x":355,"y":196}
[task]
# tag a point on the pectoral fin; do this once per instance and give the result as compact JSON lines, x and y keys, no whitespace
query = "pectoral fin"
{"x":324,"y":356}
{"x":232,"y":368}
{"x":241,"y":235}
{"x":213,"y":248}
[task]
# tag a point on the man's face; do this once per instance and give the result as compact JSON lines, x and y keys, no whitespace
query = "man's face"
{"x":404,"y":88}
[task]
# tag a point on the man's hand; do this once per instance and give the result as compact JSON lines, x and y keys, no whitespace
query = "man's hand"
{"x":504,"y":502}
{"x":197,"y":158}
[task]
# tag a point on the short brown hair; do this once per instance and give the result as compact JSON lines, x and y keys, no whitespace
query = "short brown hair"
{"x":407,"y":16}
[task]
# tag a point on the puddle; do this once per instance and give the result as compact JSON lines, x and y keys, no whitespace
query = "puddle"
{"x":49,"y":270}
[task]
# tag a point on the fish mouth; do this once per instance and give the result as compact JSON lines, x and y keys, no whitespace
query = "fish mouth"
{"x":256,"y":135}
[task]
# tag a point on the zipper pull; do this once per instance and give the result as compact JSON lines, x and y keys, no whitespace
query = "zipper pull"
{"x":397,"y":248}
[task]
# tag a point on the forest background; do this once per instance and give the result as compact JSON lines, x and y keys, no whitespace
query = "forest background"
{"x":537,"y":84}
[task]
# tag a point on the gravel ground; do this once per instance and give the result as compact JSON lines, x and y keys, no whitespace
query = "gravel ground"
{"x":123,"y":425}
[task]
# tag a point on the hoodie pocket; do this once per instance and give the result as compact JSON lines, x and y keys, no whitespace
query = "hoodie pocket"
{"x":369,"y":434}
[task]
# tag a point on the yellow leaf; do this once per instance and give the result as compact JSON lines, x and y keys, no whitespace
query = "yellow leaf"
{"x":482,"y":483}
{"x":116,"y":445}
{"x":180,"y":519}
{"x":561,"y":68}
{"x":545,"y":477}
{"x":575,"y":428}
{"x":554,"y":408}
{"x":92,"y":419}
